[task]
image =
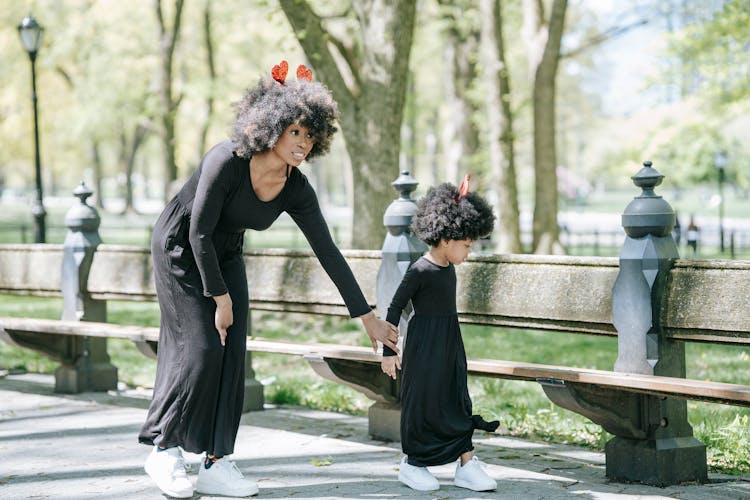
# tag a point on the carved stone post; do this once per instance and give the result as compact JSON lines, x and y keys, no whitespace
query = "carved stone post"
{"x":668,"y":453}
{"x":400,"y":249}
{"x":85,"y":364}
{"x":653,"y":441}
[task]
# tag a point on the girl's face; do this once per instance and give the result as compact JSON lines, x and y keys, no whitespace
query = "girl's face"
{"x":294,"y":144}
{"x":456,"y":251}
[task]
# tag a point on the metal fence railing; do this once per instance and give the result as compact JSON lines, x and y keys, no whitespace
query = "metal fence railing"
{"x":605,"y":243}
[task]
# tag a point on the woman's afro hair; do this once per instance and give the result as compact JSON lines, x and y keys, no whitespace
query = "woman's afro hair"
{"x":440,"y":217}
{"x":270,"y":107}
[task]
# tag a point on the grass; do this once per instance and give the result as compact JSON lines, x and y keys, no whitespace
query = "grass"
{"x":521,"y":407}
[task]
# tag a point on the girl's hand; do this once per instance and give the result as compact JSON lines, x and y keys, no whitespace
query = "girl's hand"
{"x":380,"y":331}
{"x":389,"y":365}
{"x":224,"y":316}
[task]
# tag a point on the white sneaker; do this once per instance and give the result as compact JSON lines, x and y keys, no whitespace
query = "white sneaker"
{"x":167,"y":469}
{"x":224,"y":478}
{"x":472,"y":476}
{"x":417,"y":478}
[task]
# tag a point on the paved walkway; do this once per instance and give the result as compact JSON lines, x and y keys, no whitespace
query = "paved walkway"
{"x":84,"y":446}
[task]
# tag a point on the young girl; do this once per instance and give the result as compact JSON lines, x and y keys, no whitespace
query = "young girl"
{"x":436,"y":420}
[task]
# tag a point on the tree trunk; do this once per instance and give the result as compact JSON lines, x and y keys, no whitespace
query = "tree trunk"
{"x":544,"y":39}
{"x":96,"y":161}
{"x":207,"y":38}
{"x":139,"y":136}
{"x":368,"y":80}
{"x":500,"y":128}
{"x":169,"y":104}
{"x":460,"y":136}
{"x":128,"y":152}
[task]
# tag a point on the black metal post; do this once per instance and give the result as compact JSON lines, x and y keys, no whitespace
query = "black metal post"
{"x":31,"y":33}
{"x":720,"y":162}
{"x":37,"y":208}
{"x":721,"y":208}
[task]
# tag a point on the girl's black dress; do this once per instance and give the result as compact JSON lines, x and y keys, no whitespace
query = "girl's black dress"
{"x":436,"y":419}
{"x":197,"y":254}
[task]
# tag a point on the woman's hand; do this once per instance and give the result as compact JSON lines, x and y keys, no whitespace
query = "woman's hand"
{"x":380,"y":331}
{"x":224,"y":316}
{"x":389,"y":365}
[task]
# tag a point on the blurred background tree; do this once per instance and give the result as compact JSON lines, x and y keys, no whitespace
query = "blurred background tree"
{"x":132,"y":93}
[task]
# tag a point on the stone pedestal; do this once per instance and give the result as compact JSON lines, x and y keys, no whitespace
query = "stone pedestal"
{"x":254,"y":398}
{"x":384,"y":421}
{"x":658,"y":462}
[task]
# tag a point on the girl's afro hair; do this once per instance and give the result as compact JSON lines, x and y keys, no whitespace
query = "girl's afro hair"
{"x":270,"y":107}
{"x":440,"y":217}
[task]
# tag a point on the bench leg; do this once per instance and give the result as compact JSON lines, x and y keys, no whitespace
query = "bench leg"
{"x":89,"y":370}
{"x":254,"y":398}
{"x":84,"y":362}
{"x":653,"y":441}
{"x":384,"y":421}
{"x":658,"y":462}
{"x":384,"y":416}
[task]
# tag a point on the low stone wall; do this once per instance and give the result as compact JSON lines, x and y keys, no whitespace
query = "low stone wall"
{"x":705,"y":300}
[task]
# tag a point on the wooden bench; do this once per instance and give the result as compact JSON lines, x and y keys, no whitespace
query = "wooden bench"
{"x":652,"y":302}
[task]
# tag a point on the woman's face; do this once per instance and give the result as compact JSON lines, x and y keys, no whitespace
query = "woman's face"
{"x":294,"y":144}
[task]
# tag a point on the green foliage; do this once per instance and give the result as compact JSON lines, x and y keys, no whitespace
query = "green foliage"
{"x":727,"y":445}
{"x":17,"y":359}
{"x":285,"y":393}
{"x":97,"y":76}
{"x":713,"y":53}
{"x":330,"y":396}
{"x":708,"y":67}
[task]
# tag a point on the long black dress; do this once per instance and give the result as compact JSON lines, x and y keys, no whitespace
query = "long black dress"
{"x":197,"y":254}
{"x":436,"y":419}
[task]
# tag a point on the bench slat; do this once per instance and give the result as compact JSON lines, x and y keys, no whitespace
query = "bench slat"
{"x":718,"y":392}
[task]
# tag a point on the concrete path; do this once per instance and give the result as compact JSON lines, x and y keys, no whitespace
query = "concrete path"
{"x":84,"y":447}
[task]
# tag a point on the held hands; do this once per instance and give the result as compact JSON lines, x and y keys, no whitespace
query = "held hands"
{"x":224,"y":316}
{"x":390,"y":364}
{"x":379,"y":330}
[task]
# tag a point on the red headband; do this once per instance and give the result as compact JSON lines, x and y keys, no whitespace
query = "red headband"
{"x":279,"y":71}
{"x":463,"y":190}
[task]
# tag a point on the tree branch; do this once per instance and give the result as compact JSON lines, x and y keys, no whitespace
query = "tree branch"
{"x":600,"y":38}
{"x":313,"y":38}
{"x":66,"y":76}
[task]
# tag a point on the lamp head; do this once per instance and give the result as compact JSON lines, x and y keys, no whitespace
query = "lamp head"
{"x":31,"y":35}
{"x":720,"y":160}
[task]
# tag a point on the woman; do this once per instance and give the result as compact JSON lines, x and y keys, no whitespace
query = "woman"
{"x":242,"y":183}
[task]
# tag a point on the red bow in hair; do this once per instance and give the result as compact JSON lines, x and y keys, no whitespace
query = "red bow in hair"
{"x":463,"y":190}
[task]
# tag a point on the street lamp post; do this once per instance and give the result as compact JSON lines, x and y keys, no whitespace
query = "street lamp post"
{"x":31,"y":36}
{"x":720,"y":160}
